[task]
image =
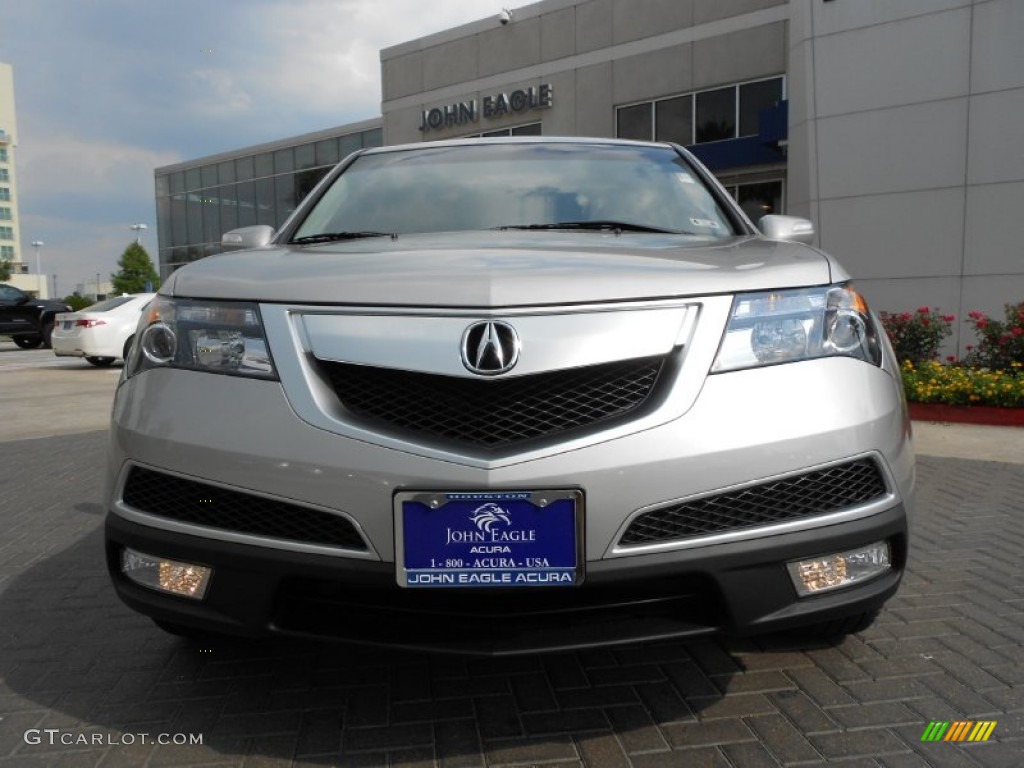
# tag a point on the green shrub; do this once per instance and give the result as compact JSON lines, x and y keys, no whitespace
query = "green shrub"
{"x":917,"y":336}
{"x":1000,"y":342}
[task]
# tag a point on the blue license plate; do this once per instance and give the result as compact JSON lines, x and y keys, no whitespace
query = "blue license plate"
{"x":489,"y":539}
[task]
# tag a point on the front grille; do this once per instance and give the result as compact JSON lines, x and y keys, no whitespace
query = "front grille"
{"x":791,"y":498}
{"x":494,"y":413}
{"x":189,"y":501}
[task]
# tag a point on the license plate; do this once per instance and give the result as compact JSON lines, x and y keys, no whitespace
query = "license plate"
{"x":67,"y":325}
{"x":489,"y":539}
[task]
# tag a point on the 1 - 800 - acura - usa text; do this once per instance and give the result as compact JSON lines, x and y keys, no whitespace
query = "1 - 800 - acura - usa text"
{"x":495,"y":396}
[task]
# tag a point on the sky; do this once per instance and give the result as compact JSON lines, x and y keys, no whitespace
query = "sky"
{"x":108,"y":90}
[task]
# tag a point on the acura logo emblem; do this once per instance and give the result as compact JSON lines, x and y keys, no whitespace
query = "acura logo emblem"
{"x":490,"y":347}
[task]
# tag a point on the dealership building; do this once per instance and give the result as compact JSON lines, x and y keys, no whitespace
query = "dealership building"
{"x":893,"y":125}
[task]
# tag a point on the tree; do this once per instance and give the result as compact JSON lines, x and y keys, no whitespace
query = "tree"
{"x":136,"y":270}
{"x":77,"y":302}
{"x":5,"y":270}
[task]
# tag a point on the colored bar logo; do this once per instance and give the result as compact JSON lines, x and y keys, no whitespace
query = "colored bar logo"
{"x":959,"y":730}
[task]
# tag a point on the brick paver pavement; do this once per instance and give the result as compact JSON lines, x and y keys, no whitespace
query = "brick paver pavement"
{"x":77,"y":666}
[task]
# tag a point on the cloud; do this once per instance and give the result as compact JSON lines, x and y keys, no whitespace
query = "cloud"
{"x":220,"y":94}
{"x":109,"y":90}
{"x":75,"y":169}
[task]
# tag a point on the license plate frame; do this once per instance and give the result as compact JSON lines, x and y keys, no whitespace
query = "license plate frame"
{"x":467,"y":539}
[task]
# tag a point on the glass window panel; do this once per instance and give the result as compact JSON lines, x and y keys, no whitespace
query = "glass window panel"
{"x":499,"y":132}
{"x":162,"y":184}
{"x":716,"y":115}
{"x":533,"y":129}
{"x":194,"y":214}
{"x":265,"y":202}
{"x":163,"y":222}
{"x":306,"y":180}
{"x":284,"y":160}
{"x":635,"y":122}
{"x":284,"y":193}
{"x":349,"y":144}
{"x":761,"y":199}
{"x":674,"y":120}
{"x":264,"y":164}
{"x":209,"y":173}
{"x":193,"y":179}
{"x":228,"y":208}
{"x":245,"y":168}
{"x":753,"y":98}
{"x":211,"y":215}
{"x":373,"y":138}
{"x":179,"y":220}
{"x":177,"y":182}
{"x":226,"y":171}
{"x":246,"y":192}
{"x":327,"y":152}
{"x":305,"y":156}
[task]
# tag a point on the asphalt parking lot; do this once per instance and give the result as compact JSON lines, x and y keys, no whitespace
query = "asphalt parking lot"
{"x":84,"y":681}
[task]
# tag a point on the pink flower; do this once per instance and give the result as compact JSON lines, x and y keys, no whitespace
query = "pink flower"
{"x":923,"y":310}
{"x":950,"y":358}
{"x":976,"y":315}
{"x":1018,"y":331}
{"x":949,"y":318}
{"x":906,"y":316}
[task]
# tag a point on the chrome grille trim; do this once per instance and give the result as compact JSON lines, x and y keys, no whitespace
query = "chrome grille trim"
{"x":877,"y":502}
{"x":126,"y":510}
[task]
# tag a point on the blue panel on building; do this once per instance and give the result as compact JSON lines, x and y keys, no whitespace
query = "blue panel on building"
{"x":762,"y":149}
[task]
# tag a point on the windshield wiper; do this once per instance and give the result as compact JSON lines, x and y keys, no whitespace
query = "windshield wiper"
{"x":330,"y":237}
{"x":602,"y":225}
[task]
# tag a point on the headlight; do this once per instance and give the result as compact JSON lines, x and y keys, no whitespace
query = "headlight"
{"x":214,"y":336}
{"x":800,"y":324}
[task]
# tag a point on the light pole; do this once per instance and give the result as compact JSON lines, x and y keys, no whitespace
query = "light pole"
{"x":137,"y":228}
{"x":37,"y":244}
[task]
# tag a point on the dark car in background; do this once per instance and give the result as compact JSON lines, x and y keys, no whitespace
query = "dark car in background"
{"x":26,"y":319}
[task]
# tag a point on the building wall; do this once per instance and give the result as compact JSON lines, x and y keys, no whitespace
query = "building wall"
{"x":595,"y":54}
{"x":904,"y":147}
{"x":10,"y":225}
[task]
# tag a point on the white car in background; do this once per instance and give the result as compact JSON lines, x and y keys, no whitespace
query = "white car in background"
{"x":102,"y":332}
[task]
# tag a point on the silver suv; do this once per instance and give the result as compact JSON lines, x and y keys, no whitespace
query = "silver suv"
{"x":497,"y":396}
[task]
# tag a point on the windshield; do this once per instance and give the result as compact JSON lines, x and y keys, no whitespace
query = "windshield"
{"x":530,"y":185}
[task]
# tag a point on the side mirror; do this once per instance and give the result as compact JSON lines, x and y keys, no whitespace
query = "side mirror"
{"x":787,"y":228}
{"x":247,"y":237}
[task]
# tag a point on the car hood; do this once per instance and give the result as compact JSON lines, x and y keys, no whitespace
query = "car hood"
{"x":503,"y":269}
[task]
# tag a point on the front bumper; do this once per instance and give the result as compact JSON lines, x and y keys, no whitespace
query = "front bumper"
{"x":736,"y":588}
{"x":743,"y":427}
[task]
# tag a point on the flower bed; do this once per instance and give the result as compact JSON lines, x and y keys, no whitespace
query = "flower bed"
{"x":987,"y":387}
{"x":953,"y":384}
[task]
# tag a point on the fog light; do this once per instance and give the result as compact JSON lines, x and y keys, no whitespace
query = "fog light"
{"x":178,"y":578}
{"x":843,"y":569}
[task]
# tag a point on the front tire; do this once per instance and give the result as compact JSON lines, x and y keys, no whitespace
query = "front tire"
{"x":100,"y":362}
{"x":27,"y":342}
